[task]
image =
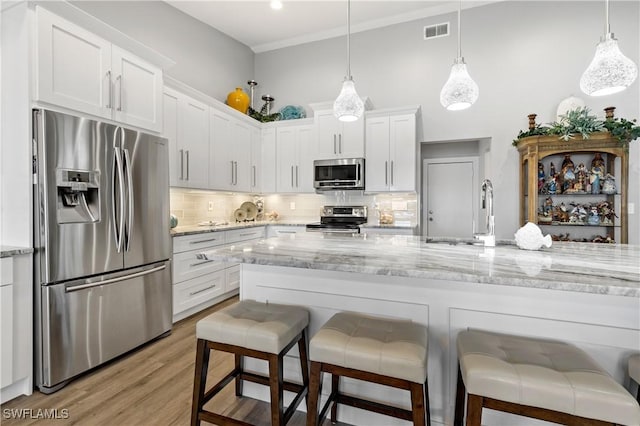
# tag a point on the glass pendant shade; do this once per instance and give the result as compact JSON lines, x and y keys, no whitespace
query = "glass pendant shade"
{"x":460,"y":91}
{"x":610,"y":71}
{"x":348,"y":106}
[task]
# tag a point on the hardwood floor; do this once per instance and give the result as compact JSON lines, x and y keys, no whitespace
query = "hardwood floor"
{"x":149,"y":386}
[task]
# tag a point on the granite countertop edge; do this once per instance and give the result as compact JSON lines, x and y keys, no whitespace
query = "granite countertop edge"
{"x":565,"y":267}
{"x":10,"y":251}
{"x":199,"y":229}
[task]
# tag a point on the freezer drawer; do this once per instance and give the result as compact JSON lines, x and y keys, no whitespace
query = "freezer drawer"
{"x":84,"y":324}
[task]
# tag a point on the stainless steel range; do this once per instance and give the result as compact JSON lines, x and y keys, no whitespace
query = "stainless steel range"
{"x":340,"y":219}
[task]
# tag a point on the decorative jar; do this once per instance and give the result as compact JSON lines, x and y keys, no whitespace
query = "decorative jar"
{"x":238,"y":100}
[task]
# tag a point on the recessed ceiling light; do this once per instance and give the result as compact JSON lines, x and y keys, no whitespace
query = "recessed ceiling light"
{"x":276,"y":4}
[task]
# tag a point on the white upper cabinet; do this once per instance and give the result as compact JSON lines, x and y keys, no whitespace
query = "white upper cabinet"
{"x":230,"y":154}
{"x":137,"y":89}
{"x":337,"y":139}
{"x":391,"y":145}
{"x":81,"y":71}
{"x":255,"y":184}
{"x":294,"y":158}
{"x":186,"y":126}
{"x":73,"y":66}
{"x":268,"y":164}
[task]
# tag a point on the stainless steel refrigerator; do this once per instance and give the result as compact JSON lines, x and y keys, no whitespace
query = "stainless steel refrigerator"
{"x":102,"y":243}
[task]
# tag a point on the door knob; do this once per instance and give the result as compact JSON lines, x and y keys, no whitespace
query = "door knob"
{"x":430,"y":211}
{"x":430,"y":219}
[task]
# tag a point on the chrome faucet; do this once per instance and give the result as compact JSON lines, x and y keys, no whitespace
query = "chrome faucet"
{"x":489,"y":237}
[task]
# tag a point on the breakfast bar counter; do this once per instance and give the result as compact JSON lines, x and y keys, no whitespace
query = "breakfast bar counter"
{"x":587,"y":294}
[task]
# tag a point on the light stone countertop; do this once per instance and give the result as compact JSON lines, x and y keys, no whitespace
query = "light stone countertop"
{"x":612,"y":269}
{"x":9,"y":251}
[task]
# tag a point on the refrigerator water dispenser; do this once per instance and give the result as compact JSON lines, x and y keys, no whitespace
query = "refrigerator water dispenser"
{"x":78,"y":196}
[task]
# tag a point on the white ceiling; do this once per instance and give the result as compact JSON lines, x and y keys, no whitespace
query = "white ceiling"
{"x":256,"y":25}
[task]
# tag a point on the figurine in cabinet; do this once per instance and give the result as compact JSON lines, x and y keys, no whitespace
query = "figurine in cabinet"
{"x":581,"y":178}
{"x":541,"y":176}
{"x":578,"y":214}
{"x":594,"y":217}
{"x":597,"y":173}
{"x":551,"y":185}
{"x":609,"y":185}
{"x":607,"y":214}
{"x":568,"y":174}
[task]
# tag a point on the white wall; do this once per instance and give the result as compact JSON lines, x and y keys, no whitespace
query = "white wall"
{"x":526,"y":57}
{"x":206,"y":59}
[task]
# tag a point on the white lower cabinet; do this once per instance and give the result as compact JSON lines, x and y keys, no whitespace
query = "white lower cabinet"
{"x":16,"y":327}
{"x":200,"y":283}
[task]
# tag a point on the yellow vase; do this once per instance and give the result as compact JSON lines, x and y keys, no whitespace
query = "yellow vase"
{"x":238,"y":100}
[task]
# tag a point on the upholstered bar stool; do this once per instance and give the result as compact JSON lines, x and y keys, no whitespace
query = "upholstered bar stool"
{"x":634,"y":372}
{"x":265,"y":331}
{"x":543,"y":379}
{"x":379,"y":350}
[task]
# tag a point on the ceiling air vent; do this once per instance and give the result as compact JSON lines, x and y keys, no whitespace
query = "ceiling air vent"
{"x":437,"y":30}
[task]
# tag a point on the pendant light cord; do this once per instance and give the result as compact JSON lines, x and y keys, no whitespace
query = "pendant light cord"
{"x":349,"y":39}
{"x":459,"y":42}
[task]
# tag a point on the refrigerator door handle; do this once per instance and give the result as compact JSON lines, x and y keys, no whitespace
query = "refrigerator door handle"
{"x":120,"y":222}
{"x":129,"y":228}
{"x":113,"y":280}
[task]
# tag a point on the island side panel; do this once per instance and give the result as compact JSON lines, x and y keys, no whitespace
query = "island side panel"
{"x":607,"y":327}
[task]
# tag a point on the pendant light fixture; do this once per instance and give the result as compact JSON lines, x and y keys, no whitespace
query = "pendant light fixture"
{"x":348,"y":106}
{"x":460,"y":91}
{"x":610,"y":71}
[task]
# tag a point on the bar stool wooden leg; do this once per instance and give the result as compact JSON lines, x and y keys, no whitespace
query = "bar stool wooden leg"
{"x":275,"y":385}
{"x":315,"y":378}
{"x":426,"y":398}
{"x":303,"y":344}
{"x":239,"y":368}
{"x":417,"y":404}
{"x":335,"y":389}
{"x":200,"y":380}
{"x":474,"y":410}
{"x":460,"y":393}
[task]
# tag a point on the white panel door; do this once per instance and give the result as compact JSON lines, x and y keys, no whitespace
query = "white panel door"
{"x":220,"y":140}
{"x":241,"y":157}
{"x":377,"y":160}
{"x":6,"y":338}
{"x":402,"y":152}
{"x":448,"y":193}
{"x":351,"y":139}
{"x":268,"y":152}
{"x":170,"y":131}
{"x":305,"y":147}
{"x":286,"y":159}
{"x":193,"y":142}
{"x":327,"y":127}
{"x":137,"y":90}
{"x":255,"y":184}
{"x":73,"y":66}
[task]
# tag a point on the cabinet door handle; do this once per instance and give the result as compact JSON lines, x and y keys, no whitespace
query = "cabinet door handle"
{"x":203,"y":241}
{"x":200,"y":263}
{"x":292,"y":176}
{"x":119,"y":81}
{"x":109,"y":91}
{"x":296,"y":176}
{"x":193,"y":293}
{"x":182,"y":164}
{"x":386,"y":172}
{"x":340,"y":143}
{"x":254,"y":176}
{"x":231,"y":171}
{"x":391,"y":173}
{"x":187,"y":153}
{"x":334,"y":144}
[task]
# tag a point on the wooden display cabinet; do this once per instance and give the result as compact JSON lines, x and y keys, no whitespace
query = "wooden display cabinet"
{"x":533,"y":149}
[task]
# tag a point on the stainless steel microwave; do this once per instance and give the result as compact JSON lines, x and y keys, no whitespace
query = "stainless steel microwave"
{"x":338,"y":174}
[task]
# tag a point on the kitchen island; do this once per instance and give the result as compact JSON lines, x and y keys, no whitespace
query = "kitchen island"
{"x":588,"y":294}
